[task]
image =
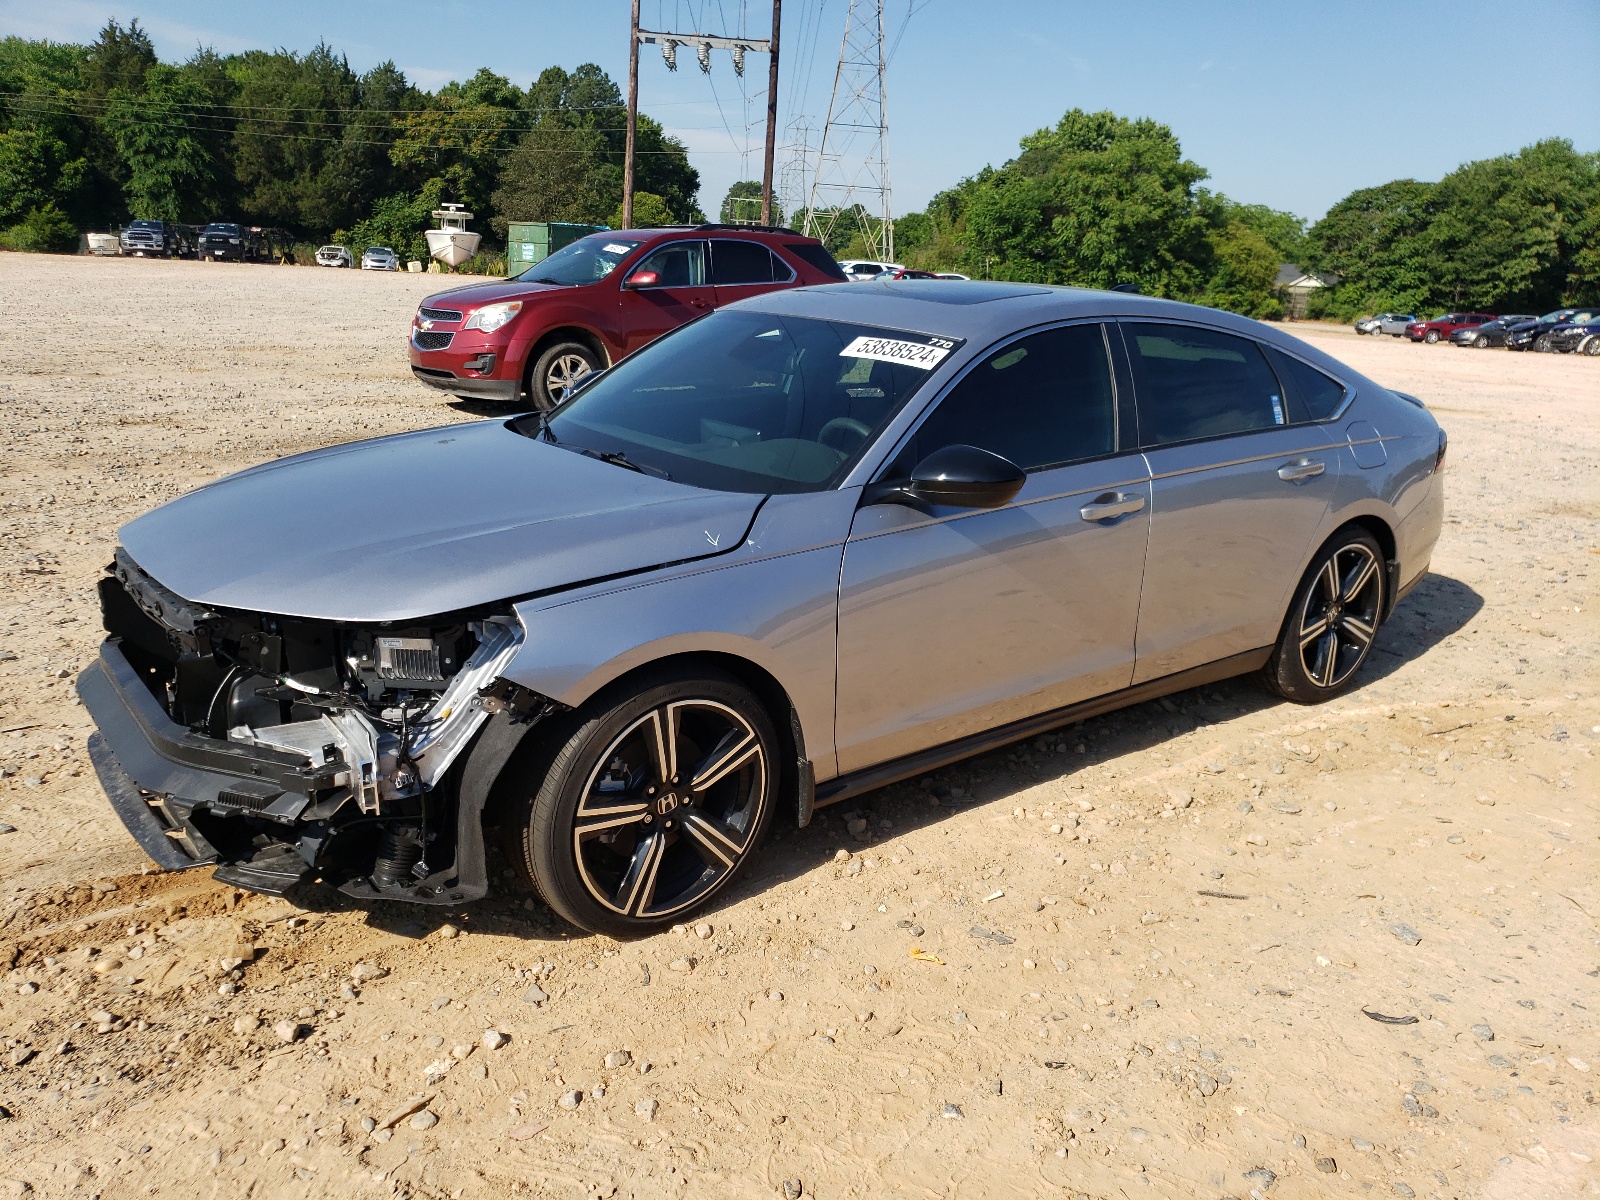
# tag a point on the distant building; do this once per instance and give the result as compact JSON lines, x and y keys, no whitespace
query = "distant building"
{"x":1297,"y":286}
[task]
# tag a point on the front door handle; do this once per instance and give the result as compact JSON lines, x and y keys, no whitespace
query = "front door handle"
{"x":1303,"y":468}
{"x":1108,"y":506}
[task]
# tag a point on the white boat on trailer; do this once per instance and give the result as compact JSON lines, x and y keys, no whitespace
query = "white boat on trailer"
{"x":451,"y":243}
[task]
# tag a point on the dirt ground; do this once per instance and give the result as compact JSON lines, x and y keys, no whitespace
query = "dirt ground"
{"x":1137,"y":958}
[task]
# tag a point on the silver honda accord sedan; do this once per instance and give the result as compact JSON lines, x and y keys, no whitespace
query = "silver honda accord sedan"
{"x":811,"y":544}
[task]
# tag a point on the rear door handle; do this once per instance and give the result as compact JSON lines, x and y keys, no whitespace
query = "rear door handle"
{"x":700,"y":303}
{"x":1108,"y":506}
{"x":1304,"y":468}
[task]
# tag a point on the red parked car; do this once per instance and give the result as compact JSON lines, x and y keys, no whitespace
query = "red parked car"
{"x":1440,"y":328}
{"x":596,"y":301}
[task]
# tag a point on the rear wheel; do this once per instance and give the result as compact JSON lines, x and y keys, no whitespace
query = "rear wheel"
{"x":556,"y":369}
{"x":653,"y":805}
{"x":1332,"y":621}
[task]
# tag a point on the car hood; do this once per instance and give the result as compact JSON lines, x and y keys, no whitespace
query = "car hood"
{"x":475,"y":295}
{"x":425,"y":523}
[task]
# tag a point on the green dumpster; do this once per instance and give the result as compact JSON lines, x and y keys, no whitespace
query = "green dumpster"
{"x":527,"y":242}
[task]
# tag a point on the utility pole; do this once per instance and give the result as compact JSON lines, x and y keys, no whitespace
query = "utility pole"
{"x":772,"y":116}
{"x":703,"y":44}
{"x":633,"y":118}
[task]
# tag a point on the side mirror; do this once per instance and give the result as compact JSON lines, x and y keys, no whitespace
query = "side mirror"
{"x":957,"y":477}
{"x":641,"y":279}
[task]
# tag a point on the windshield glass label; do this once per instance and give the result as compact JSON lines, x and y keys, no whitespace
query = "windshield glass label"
{"x":616,"y":248}
{"x":923,"y":355}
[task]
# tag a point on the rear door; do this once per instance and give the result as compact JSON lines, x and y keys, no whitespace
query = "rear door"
{"x":1239,"y":490}
{"x":681,"y":292}
{"x":953,"y":621}
{"x":741,"y":268}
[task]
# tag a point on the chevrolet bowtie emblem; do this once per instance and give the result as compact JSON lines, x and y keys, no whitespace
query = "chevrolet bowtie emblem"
{"x":425,"y":326}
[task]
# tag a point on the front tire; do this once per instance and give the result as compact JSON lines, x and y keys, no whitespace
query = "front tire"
{"x":1332,"y":621}
{"x":1481,"y":342}
{"x":1543,"y":344}
{"x":656,"y":801}
{"x":1590,"y":345}
{"x":1431,"y":337}
{"x":556,"y":369}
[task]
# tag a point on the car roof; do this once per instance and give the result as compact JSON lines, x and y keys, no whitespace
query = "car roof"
{"x":763,"y":233}
{"x":982,"y":311}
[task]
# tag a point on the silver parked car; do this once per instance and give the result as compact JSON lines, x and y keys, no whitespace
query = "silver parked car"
{"x":1394,"y":324}
{"x":816,"y":542}
{"x":379,"y":258}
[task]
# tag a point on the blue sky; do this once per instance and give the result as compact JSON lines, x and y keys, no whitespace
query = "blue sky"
{"x":1291,"y":105}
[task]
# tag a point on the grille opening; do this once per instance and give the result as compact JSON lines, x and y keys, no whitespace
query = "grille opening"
{"x":428,"y":340}
{"x":439,"y":314}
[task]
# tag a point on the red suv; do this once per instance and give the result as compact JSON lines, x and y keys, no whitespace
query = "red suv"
{"x":596,"y":301}
{"x":1438,"y":329}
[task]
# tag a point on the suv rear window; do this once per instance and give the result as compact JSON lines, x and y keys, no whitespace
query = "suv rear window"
{"x":817,"y":256}
{"x":735,"y":262}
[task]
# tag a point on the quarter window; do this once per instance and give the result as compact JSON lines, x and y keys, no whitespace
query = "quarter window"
{"x":682,"y":264}
{"x":1199,"y":383}
{"x":734,"y":262}
{"x":1041,"y":401}
{"x":1311,"y":395}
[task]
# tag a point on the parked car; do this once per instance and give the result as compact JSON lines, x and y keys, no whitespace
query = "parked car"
{"x":858,"y":270}
{"x":823,"y":540}
{"x":953,"y":275}
{"x":1590,"y":343}
{"x":334,"y":256}
{"x":228,"y":241}
{"x":156,"y":239}
{"x":1490,"y":333}
{"x":1443,"y":326}
{"x":595,"y":301}
{"x":1568,"y":335}
{"x":908,"y":273}
{"x":1394,"y":324}
{"x":1524,"y":335}
{"x":379,"y":258}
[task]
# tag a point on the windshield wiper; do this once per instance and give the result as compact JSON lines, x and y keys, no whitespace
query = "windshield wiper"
{"x":618,"y":459}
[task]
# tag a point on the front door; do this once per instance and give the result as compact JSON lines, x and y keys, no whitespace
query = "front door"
{"x":1241,"y":479}
{"x":953,"y":621}
{"x":678,"y":290}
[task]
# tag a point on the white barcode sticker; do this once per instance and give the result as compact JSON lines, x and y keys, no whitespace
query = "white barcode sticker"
{"x":616,"y":247}
{"x":922,"y":355}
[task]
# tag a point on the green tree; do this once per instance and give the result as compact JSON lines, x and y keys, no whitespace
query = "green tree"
{"x":747,"y":213}
{"x":45,"y":230}
{"x":172,"y":165}
{"x":650,"y":211}
{"x":118,"y":59}
{"x":1245,"y":273}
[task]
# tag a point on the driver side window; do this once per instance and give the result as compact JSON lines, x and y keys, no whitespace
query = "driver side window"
{"x":682,"y":264}
{"x":1043,"y":401}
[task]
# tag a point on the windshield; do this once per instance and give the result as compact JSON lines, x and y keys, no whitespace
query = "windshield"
{"x":144,"y":224}
{"x":587,"y":260}
{"x":217,"y":228}
{"x":747,"y":402}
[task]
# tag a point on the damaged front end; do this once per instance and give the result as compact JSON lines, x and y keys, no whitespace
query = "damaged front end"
{"x":283,"y":749}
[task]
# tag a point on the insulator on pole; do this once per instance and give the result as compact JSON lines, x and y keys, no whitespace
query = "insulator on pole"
{"x":703,"y":53}
{"x":738,"y":61}
{"x":669,"y":53}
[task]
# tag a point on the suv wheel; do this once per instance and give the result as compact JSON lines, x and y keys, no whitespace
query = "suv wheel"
{"x":1332,"y":621}
{"x":653,"y":804}
{"x":1431,"y":336}
{"x":557,"y":369}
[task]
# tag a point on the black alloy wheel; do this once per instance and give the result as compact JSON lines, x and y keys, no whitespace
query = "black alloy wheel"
{"x":1543,"y":344}
{"x":1332,"y":622}
{"x":653,"y":805}
{"x":556,"y":369}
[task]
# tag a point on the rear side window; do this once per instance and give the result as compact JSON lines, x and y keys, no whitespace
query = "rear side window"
{"x":740,"y":262}
{"x":1042,"y":401}
{"x":1311,"y":395}
{"x":817,"y":256}
{"x":1199,"y":383}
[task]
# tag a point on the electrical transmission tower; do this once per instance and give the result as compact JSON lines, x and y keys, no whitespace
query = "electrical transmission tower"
{"x":850,"y":183}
